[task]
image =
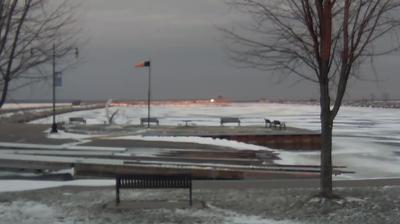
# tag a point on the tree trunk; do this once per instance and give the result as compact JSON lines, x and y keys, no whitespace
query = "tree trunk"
{"x":326,"y":143}
{"x":325,"y":101}
{"x":4,"y":93}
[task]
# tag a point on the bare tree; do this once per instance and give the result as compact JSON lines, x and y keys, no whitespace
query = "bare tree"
{"x":28,"y":30}
{"x":323,"y":41}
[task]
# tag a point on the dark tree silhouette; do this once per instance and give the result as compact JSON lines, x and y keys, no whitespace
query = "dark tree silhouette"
{"x":323,"y":41}
{"x":28,"y":29}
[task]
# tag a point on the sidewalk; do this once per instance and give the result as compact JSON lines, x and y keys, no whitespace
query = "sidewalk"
{"x":28,"y":133}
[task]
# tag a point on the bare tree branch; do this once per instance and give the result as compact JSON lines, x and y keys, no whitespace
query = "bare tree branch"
{"x":323,"y":41}
{"x":28,"y":28}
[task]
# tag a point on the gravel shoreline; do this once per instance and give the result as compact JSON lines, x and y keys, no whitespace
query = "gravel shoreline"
{"x":367,"y":205}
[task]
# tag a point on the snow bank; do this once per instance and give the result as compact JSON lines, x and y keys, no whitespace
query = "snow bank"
{"x":25,"y":185}
{"x":199,"y":140}
{"x":69,"y":146}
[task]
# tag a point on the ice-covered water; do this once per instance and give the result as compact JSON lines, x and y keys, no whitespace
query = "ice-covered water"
{"x":366,"y":140}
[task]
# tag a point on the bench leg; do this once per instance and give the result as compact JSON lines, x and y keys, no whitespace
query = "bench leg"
{"x":190,"y":196}
{"x":117,"y":195}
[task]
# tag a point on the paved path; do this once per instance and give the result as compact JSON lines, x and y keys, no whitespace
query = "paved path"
{"x":28,"y":133}
{"x":291,"y":183}
{"x":37,"y":134}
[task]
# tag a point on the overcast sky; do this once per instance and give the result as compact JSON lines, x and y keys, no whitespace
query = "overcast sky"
{"x":187,"y":53}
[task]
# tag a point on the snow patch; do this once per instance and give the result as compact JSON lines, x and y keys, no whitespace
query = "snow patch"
{"x":69,"y":146}
{"x":229,"y":217}
{"x":297,"y":158}
{"x":353,"y":199}
{"x":26,"y":185}
{"x":66,"y":135}
{"x":199,"y":140}
{"x":29,"y":211}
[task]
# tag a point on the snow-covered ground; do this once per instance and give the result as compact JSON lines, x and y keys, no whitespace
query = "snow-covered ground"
{"x":30,"y":105}
{"x":30,"y":212}
{"x":23,"y":185}
{"x":217,"y":206}
{"x":366,"y":140}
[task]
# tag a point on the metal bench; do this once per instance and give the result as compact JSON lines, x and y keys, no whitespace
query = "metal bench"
{"x":229,"y":120}
{"x":268,"y":123}
{"x":76,"y":103}
{"x":187,"y":123}
{"x":278,"y":124}
{"x":153,"y":181}
{"x":145,"y":120}
{"x":77,"y":120}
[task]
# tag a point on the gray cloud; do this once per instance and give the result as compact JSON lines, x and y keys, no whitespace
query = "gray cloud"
{"x":186,"y":49}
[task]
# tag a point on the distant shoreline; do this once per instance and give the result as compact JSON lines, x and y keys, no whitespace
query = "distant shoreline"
{"x":390,"y":104}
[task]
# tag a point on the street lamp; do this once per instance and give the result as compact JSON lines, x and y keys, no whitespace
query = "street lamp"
{"x":54,"y":128}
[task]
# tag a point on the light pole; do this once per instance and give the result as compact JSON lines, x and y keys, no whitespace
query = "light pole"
{"x":54,"y":128}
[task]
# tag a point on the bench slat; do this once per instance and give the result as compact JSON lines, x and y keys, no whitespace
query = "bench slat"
{"x":153,"y":181}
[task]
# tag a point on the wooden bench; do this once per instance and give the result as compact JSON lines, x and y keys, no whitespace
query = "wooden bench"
{"x":77,"y":120}
{"x":278,"y":124}
{"x":153,"y":181}
{"x":145,"y":120}
{"x":229,"y":120}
